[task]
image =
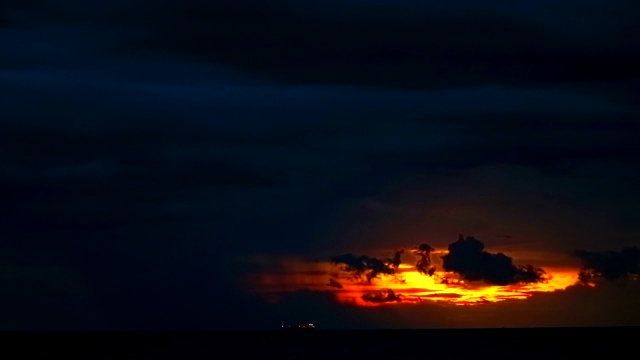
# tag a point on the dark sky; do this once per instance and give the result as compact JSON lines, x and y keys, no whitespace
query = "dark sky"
{"x":148,"y":147}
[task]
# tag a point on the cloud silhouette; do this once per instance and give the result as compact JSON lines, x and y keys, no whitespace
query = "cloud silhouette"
{"x":334,"y":283}
{"x":423,"y":264}
{"x":358,"y":266}
{"x":397,"y":258}
{"x":610,"y":265}
{"x":381,"y":296}
{"x":468,"y":258}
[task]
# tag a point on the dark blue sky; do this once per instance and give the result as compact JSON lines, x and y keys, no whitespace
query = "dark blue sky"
{"x":146,"y":146}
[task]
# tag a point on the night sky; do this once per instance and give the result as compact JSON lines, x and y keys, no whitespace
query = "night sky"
{"x":197,"y":164}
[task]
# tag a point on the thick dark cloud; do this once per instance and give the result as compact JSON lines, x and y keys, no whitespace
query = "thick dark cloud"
{"x":424,"y":262}
{"x":610,"y":265}
{"x":396,"y":260}
{"x":381,"y":296}
{"x":551,"y":143}
{"x":437,"y":49}
{"x":428,"y":46}
{"x":334,"y":283}
{"x":138,"y":205}
{"x":358,"y":266}
{"x":114,"y":177}
{"x":468,"y":258}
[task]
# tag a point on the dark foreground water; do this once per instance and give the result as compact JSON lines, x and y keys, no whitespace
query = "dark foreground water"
{"x":468,"y":344}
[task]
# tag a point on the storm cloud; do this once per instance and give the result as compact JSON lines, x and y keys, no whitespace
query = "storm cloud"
{"x":424,"y":262}
{"x":381,"y":296}
{"x":610,"y":265}
{"x":358,"y":266}
{"x":468,"y":258}
{"x":311,"y":46}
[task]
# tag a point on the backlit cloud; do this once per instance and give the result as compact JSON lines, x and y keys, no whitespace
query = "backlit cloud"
{"x":358,"y":266}
{"x":367,"y":281}
{"x":610,"y":265}
{"x":468,"y":258}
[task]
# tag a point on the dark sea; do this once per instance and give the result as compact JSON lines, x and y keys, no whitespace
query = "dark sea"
{"x":607,"y":343}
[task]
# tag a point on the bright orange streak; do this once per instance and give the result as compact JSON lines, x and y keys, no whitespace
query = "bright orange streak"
{"x":409,"y":285}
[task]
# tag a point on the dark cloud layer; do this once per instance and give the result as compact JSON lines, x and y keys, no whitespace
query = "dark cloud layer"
{"x":424,"y":262}
{"x":396,"y":260}
{"x":358,"y":266}
{"x":334,"y":283}
{"x":381,"y":296}
{"x":468,"y":258}
{"x":610,"y":265}
{"x":436,"y":49}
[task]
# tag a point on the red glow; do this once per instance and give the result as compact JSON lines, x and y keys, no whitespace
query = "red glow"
{"x":408,"y":285}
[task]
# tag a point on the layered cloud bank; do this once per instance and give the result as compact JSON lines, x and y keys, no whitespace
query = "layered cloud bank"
{"x":465,"y":274}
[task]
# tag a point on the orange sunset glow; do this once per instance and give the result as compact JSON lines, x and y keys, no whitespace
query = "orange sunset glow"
{"x":406,"y":286}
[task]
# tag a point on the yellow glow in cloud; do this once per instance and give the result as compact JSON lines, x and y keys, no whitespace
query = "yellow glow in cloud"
{"x":408,"y":286}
